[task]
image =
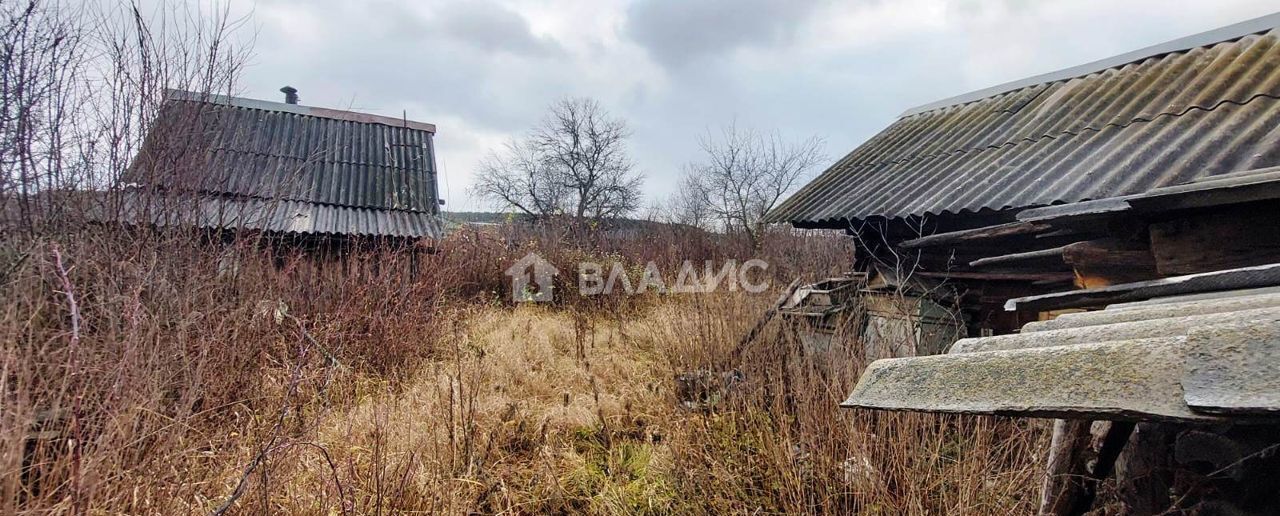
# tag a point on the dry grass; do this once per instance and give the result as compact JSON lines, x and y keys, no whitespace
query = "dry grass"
{"x":358,"y":391}
{"x":147,"y":372}
{"x":540,"y":411}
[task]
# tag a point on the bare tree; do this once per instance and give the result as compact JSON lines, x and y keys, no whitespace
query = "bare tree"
{"x":574,"y":163}
{"x":520,"y":178}
{"x":743,"y":175}
{"x":687,"y":205}
{"x":41,"y":48}
{"x":80,"y":85}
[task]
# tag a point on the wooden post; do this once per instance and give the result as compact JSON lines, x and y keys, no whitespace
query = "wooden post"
{"x":765,"y":318}
{"x":1081,"y":455}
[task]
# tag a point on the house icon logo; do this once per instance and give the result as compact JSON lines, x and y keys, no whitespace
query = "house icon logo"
{"x":531,"y":279}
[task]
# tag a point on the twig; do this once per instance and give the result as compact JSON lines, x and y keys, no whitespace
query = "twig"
{"x":294,"y":381}
{"x":68,"y":290}
{"x":73,"y":351}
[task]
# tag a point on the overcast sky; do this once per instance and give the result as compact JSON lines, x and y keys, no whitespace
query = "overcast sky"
{"x":485,"y":71}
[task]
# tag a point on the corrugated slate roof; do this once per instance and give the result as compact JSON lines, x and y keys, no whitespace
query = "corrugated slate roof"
{"x":278,"y":216}
{"x":1196,"y":357}
{"x":1151,"y":122}
{"x":354,"y":173}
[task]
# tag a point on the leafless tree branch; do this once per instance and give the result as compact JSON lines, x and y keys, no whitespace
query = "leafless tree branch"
{"x":574,"y":163}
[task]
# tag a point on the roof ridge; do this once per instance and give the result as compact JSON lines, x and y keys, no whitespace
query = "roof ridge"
{"x":297,"y":109}
{"x":1207,"y":38}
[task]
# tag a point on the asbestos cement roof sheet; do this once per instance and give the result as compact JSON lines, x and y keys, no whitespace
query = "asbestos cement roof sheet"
{"x":1121,"y":127}
{"x":352,"y":172}
{"x":1177,"y":359}
{"x":275,"y":216}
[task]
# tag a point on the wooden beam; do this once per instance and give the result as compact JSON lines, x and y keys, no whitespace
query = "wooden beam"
{"x":1110,"y":261}
{"x":1047,"y":257}
{"x":1234,"y":279}
{"x":1081,"y":455}
{"x":973,"y":235}
{"x":1000,"y":277}
{"x":764,"y":319}
{"x":1230,"y":238}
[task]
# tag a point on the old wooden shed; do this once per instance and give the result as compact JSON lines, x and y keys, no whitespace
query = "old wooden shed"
{"x":1113,"y":229}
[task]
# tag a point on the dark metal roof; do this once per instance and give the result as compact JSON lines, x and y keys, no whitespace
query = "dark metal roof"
{"x":353,"y":172}
{"x":1154,"y":121}
{"x":277,"y":216}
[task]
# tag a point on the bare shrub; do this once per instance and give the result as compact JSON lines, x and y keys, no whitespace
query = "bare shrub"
{"x":742,"y":175}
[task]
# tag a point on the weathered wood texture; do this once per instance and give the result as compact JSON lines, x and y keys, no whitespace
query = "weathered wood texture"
{"x":1110,"y":261}
{"x":1041,"y":260}
{"x":974,"y":235}
{"x":764,"y":319}
{"x":1144,"y":470}
{"x":1081,"y":455}
{"x":999,"y":276}
{"x":1234,"y":279}
{"x":1226,"y":239}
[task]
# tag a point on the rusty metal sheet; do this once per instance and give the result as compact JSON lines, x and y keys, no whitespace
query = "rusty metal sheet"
{"x":1234,"y":368}
{"x":1124,"y":380}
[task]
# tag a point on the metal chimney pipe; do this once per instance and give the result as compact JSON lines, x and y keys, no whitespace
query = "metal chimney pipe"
{"x":290,"y":94}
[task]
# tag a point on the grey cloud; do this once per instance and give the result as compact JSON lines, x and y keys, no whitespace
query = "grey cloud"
{"x":483,"y":66}
{"x":490,"y":27}
{"x":477,"y":61}
{"x":676,"y":32}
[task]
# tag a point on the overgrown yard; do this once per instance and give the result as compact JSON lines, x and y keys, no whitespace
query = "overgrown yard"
{"x":174,"y":383}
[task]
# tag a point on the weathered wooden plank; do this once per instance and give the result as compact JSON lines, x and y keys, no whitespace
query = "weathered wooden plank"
{"x":1247,"y":277}
{"x":998,"y":276}
{"x":1224,"y":239}
{"x":1109,"y":253}
{"x":764,"y":319}
{"x":973,"y":235}
{"x":1081,"y":455}
{"x":1109,"y":261}
{"x":1040,"y":258}
{"x":1064,"y":479}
